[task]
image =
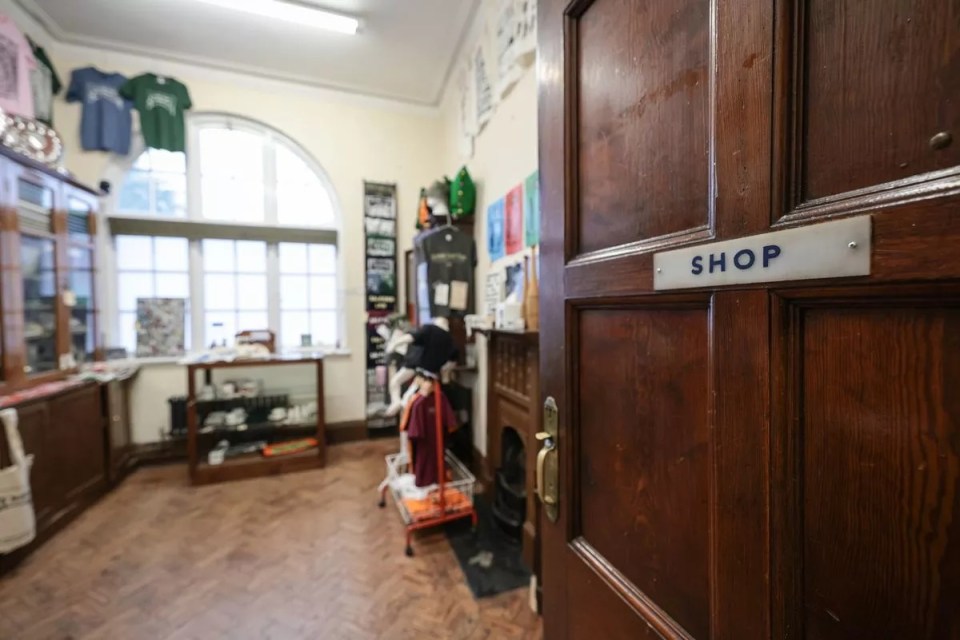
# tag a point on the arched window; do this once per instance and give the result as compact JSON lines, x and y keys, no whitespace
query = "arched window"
{"x":243,"y":227}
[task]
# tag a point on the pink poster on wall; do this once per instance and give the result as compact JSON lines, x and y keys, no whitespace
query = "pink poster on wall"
{"x":514,"y":220}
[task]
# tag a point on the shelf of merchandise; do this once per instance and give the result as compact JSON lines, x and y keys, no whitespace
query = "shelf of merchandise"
{"x":252,"y":465}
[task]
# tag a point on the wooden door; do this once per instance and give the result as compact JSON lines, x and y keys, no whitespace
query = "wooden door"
{"x":775,"y":460}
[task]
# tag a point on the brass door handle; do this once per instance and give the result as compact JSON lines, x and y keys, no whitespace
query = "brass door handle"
{"x":548,"y":467}
{"x":548,"y":446}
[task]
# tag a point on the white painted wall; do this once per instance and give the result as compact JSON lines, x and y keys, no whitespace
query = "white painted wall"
{"x":353,"y":137}
{"x":505,"y":153}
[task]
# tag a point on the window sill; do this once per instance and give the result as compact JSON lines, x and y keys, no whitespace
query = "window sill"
{"x":163,"y":361}
{"x":333,"y":353}
{"x":146,"y":362}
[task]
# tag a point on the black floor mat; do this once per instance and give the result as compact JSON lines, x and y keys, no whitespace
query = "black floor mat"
{"x":491,"y":562}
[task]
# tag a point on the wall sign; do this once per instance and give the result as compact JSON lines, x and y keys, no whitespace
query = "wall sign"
{"x":826,"y":250}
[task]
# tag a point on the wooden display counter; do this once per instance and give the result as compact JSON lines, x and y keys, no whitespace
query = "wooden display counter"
{"x":80,"y":450}
{"x":253,"y":465}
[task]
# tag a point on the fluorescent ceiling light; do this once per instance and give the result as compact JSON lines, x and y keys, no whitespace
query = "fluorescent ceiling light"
{"x":291,"y":12}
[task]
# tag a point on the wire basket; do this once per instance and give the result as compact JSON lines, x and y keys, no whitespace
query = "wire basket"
{"x":418,"y":504}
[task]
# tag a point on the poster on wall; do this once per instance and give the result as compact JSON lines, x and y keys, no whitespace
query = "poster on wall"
{"x":483,"y":90}
{"x":525,"y":42}
{"x":495,"y":230}
{"x":516,"y":41}
{"x":381,"y":247}
{"x":493,"y":294}
{"x":513,"y":220}
{"x":467,"y":106}
{"x":161,"y":324}
{"x":507,"y":70}
{"x":531,"y":210}
{"x":380,"y":225}
{"x":381,"y":284}
{"x":380,"y":262}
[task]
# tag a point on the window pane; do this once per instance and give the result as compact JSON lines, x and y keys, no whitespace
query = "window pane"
{"x":302,"y":197}
{"x":155,"y":185}
{"x":220,"y":291}
{"x":301,"y":204}
{"x":231,"y":153}
{"x":134,"y":252}
{"x":135,"y":193}
{"x":81,"y":283}
{"x":252,"y":292}
{"x":91,"y":333}
{"x":170,"y":191}
{"x":173,"y":285}
{"x":323,"y":292}
{"x":80,"y":258}
{"x":291,"y":167}
{"x":128,"y":332}
{"x":218,"y":255}
{"x":293,"y":257}
{"x":166,"y":161}
{"x":132,"y":286}
{"x":327,"y":214}
{"x":172,"y":254}
{"x":251,"y":256}
{"x":220,"y":326}
{"x":232,"y":200}
{"x":142,"y":163}
{"x":251,"y":320}
{"x":292,"y":325}
{"x":293,"y":292}
{"x":47,"y":258}
{"x":323,"y":258}
{"x":324,"y":326}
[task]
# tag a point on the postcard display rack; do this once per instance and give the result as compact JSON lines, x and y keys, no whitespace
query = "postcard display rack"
{"x":252,"y":464}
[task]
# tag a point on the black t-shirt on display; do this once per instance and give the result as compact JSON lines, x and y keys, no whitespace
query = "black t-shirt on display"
{"x":450,"y":256}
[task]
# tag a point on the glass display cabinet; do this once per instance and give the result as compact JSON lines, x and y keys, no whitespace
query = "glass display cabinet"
{"x":81,"y":275}
{"x":47,"y":274}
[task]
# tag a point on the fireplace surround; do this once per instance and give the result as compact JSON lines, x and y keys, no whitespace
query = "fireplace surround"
{"x":513,"y":416}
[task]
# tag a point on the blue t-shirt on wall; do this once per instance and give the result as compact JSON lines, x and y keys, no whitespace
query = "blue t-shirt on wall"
{"x":105,"y":124}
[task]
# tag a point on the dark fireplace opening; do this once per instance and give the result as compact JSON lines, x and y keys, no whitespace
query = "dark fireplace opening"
{"x":510,"y":492}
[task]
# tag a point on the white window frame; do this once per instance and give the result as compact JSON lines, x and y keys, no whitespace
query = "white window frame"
{"x":196,"y":228}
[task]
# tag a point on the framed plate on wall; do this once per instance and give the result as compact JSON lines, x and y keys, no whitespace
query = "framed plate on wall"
{"x":31,"y":138}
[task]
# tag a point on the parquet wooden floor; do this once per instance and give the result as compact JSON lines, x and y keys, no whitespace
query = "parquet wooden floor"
{"x":306,"y":555}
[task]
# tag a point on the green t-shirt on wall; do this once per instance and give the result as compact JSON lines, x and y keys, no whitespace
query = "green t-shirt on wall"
{"x":160,"y":101}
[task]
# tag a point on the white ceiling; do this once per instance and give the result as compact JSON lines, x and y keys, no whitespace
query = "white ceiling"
{"x":403,"y":50}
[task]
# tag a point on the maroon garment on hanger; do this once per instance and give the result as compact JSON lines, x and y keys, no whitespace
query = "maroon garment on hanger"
{"x":422,"y":431}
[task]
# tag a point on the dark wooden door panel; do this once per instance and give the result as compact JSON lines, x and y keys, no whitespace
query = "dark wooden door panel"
{"x":644,"y":450}
{"x":643,"y":98}
{"x":876,"y":455}
{"x":876,"y":93}
{"x":603,"y":610}
{"x":761,"y":461}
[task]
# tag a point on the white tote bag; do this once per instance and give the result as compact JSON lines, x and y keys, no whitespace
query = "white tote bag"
{"x":17,"y":524}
